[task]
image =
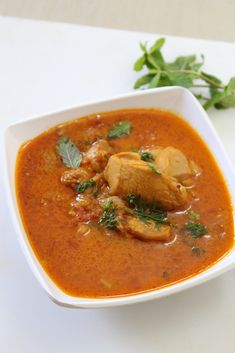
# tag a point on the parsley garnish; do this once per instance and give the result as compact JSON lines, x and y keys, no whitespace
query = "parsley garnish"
{"x":146,"y":211}
{"x":193,"y":215}
{"x":119,"y":129}
{"x":196,"y":230}
{"x":184,"y":71}
{"x":109,"y":216}
{"x":146,"y":156}
{"x":80,"y":188}
{"x":69,"y":153}
{"x":154,"y":168}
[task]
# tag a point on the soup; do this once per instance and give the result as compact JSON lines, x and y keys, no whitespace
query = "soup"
{"x":123,"y":202}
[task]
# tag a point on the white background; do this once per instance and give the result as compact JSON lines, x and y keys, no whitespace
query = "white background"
{"x":45,"y":67}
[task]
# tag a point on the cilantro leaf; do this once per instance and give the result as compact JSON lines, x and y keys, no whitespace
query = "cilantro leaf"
{"x":109,"y":216}
{"x":82,"y":187}
{"x":196,"y":230}
{"x":147,"y":211}
{"x":193,"y":215}
{"x":146,"y":156}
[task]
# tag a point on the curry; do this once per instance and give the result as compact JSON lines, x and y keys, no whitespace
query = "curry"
{"x":123,"y":202}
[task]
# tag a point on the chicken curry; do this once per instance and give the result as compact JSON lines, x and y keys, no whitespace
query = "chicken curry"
{"x":123,"y":202}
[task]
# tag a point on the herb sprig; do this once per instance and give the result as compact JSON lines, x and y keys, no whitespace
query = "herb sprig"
{"x":184,"y":71}
{"x":82,"y":187}
{"x":146,"y":156}
{"x":193,"y":215}
{"x":146,"y":211}
{"x":109,"y":216}
{"x":196,"y":230}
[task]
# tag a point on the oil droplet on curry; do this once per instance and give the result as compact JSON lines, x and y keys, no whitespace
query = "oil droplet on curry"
{"x":123,"y":202}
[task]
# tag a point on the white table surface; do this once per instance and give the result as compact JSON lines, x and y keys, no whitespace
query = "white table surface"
{"x":45,"y":67}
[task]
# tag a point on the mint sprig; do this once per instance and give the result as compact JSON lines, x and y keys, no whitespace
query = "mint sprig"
{"x":184,"y":71}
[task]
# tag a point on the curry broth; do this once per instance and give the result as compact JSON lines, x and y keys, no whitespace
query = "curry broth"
{"x":100,"y":262}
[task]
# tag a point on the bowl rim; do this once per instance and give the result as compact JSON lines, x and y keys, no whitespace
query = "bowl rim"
{"x":226,"y":262}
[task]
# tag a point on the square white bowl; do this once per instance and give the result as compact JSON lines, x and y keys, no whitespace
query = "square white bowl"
{"x":178,"y":100}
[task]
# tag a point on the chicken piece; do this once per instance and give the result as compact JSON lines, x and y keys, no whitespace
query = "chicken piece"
{"x":145,"y":231}
{"x":75,"y":176}
{"x":172,"y":162}
{"x":130,"y":155}
{"x":169,"y":160}
{"x":155,"y":151}
{"x":195,"y":172}
{"x":97,"y":156}
{"x":132,"y":225}
{"x":126,"y":175}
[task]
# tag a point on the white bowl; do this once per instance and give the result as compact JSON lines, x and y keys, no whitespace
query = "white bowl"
{"x":176,"y":99}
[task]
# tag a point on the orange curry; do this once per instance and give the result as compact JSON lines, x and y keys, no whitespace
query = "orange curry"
{"x":123,"y":202}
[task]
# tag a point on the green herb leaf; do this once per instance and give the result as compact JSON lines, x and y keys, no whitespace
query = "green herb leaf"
{"x":69,"y":153}
{"x":147,"y":211}
{"x":193,"y":215}
{"x":146,"y":156}
{"x":197,"y":66}
{"x":108,"y":205}
{"x":211,"y":78}
{"x":120,"y":129}
{"x":164,"y":81}
{"x":180,"y":79}
{"x":157,"y":45}
{"x":152,"y":62}
{"x":154,"y":168}
{"x":138,"y":65}
{"x":226,"y":102}
{"x":154,"y":81}
{"x":82,"y":187}
{"x":196,"y":230}
{"x":143,"y":47}
{"x":109,"y":216}
{"x":183,"y":62}
{"x":158,"y":59}
{"x":144,"y":80}
{"x":228,"y":99}
{"x":216,"y":97}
